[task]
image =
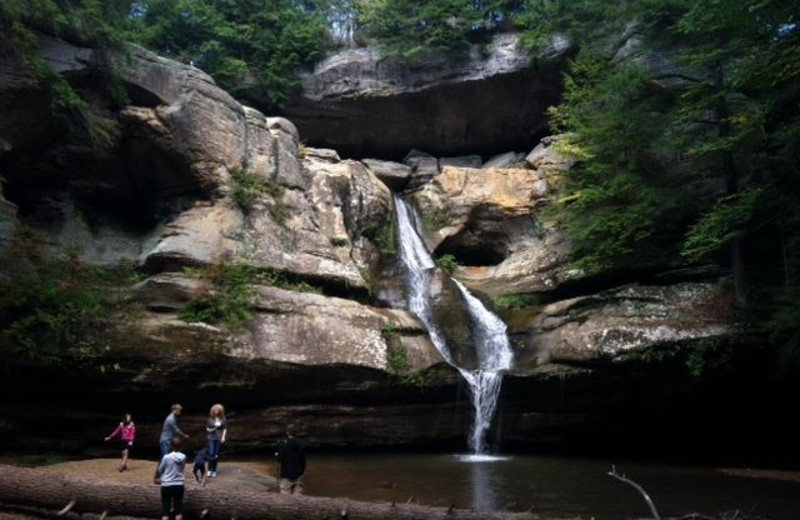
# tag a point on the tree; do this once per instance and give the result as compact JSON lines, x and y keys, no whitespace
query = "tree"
{"x":252,"y":48}
{"x":408,"y":27}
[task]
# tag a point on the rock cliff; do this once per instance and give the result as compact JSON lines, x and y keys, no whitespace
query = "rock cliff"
{"x":158,"y":183}
{"x":482,"y":102}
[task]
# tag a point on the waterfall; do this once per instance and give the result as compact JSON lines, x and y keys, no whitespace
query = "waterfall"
{"x":491,"y":341}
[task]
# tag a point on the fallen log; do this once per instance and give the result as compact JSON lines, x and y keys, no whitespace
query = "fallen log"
{"x":29,"y":487}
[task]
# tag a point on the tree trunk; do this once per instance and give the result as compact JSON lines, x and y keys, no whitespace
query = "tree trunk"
{"x":729,"y":173}
{"x":31,"y":487}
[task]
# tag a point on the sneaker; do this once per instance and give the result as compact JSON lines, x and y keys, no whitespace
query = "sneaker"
{"x":212,"y":474}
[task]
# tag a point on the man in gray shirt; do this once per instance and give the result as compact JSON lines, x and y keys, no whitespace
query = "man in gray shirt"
{"x":170,"y":430}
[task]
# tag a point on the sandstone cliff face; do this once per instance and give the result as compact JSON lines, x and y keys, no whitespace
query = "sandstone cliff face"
{"x":363,"y":104}
{"x":156,"y":188}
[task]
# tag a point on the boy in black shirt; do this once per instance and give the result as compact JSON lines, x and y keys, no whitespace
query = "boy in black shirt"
{"x":291,"y":456}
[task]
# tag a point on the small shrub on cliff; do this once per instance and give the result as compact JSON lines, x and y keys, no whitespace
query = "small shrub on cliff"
{"x":398,"y":365}
{"x":516,"y":301}
{"x":247,"y":189}
{"x":448,"y":262}
{"x":227,"y":297}
{"x":434,"y":219}
{"x":229,"y":292}
{"x":61,"y":310}
{"x":385,"y":237}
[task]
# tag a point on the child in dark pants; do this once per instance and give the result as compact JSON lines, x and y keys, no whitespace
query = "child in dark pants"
{"x":200,"y":461}
{"x":171,"y":477}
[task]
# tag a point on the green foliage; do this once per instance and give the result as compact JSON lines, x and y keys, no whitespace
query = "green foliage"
{"x":611,"y":201}
{"x":385,"y":237}
{"x":399,"y":366}
{"x":339,"y":241}
{"x":726,"y":114}
{"x":728,"y":218}
{"x":91,"y":22}
{"x":253,"y":47}
{"x":434,"y":219}
{"x":448,"y":262}
{"x":229,"y":291}
{"x":247,"y":189}
{"x":516,"y":301}
{"x":397,"y":360}
{"x":407,"y":27}
{"x":227,"y":297}
{"x":61,"y":310}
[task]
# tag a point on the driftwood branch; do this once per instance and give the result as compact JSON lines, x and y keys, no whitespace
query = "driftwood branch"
{"x":34,"y":488}
{"x":622,"y":478}
{"x":67,"y":508}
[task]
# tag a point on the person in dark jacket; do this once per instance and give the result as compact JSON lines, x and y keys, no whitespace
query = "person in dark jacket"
{"x":291,"y":456}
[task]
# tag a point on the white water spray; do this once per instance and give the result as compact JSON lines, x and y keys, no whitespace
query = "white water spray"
{"x":491,"y":341}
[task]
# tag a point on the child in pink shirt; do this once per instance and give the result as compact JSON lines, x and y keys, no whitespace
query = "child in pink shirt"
{"x":127,"y":434}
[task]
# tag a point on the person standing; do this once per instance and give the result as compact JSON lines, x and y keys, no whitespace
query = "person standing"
{"x":170,"y":474}
{"x":291,"y":456}
{"x":170,"y":430}
{"x":127,"y":434}
{"x":216,"y":430}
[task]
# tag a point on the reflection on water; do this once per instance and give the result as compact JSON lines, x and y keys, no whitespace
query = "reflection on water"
{"x":484,"y":495}
{"x":552,"y":486}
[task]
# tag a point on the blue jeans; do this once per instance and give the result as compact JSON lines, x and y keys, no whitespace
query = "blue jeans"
{"x":213,"y":454}
{"x":165,"y":447}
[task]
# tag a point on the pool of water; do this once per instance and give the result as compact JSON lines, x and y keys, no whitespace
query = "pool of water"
{"x":551,"y":485}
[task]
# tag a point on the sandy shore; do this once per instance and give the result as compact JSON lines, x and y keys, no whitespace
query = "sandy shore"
{"x":242,"y":476}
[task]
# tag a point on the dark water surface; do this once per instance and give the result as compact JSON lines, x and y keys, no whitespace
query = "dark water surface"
{"x":555,"y":486}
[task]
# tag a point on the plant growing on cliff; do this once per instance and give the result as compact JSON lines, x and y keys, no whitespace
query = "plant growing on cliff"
{"x":247,"y":189}
{"x":61,"y":309}
{"x":385,"y":237}
{"x":227,"y":297}
{"x":230,"y":289}
{"x":512,"y":301}
{"x":434,"y":219}
{"x":398,"y":364}
{"x":448,"y":262}
{"x":96,"y":23}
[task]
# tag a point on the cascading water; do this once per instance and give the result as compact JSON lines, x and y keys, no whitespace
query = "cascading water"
{"x":491,"y":341}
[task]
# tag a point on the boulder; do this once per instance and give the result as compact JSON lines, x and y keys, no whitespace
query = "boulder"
{"x":488,"y":220}
{"x":392,"y":174}
{"x":185,"y":116}
{"x":424,"y":167}
{"x":305,"y":329}
{"x":322,"y":154}
{"x":505,"y":160}
{"x":197,"y":237}
{"x":464,"y":161}
{"x":487,"y":99}
{"x":607,"y":324}
{"x":545,"y":156}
